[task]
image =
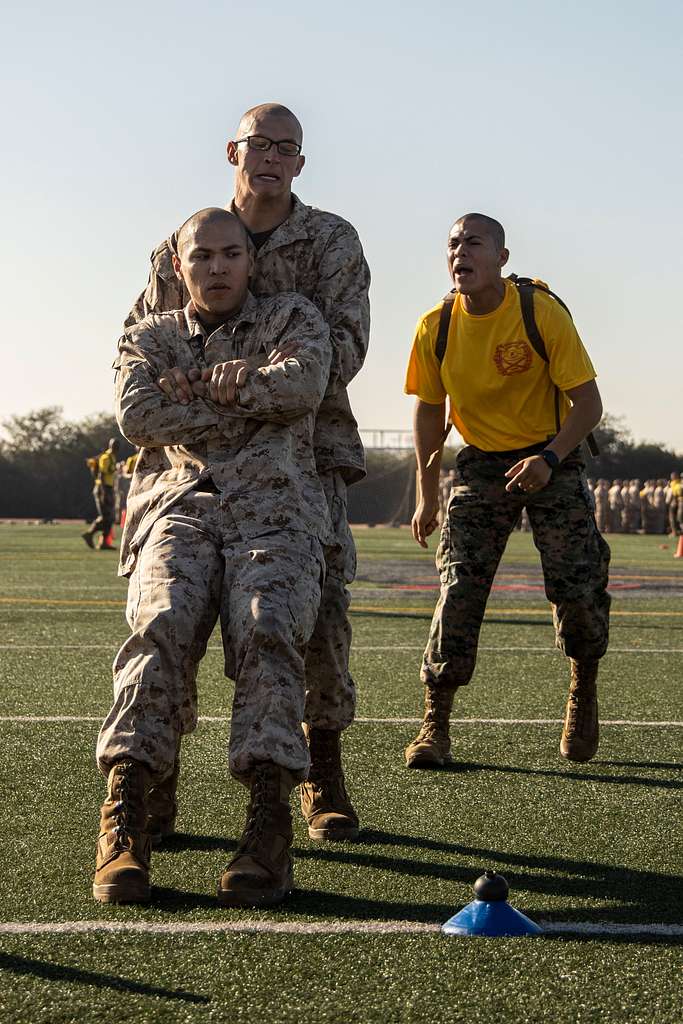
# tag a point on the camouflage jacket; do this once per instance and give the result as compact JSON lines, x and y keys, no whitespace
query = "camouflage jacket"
{"x":259,"y":451}
{"x":318,"y":255}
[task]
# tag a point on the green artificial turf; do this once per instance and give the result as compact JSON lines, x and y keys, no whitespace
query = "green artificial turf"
{"x":585,"y":843}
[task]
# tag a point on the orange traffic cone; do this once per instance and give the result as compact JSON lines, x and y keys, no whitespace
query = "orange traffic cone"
{"x":679,"y":550}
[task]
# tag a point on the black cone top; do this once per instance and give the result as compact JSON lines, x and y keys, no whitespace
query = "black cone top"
{"x":491,"y":886}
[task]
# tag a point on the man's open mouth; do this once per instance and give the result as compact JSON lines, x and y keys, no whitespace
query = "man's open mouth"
{"x":460,"y":271}
{"x":270,"y":178}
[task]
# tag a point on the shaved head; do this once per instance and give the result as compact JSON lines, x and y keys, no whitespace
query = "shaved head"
{"x":210,"y":215}
{"x":487,"y":225}
{"x":264,"y":110}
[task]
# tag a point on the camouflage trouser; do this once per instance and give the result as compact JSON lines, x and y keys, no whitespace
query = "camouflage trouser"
{"x":331,"y":692}
{"x":193,"y":568}
{"x":481,"y":515}
{"x":103,"y":496}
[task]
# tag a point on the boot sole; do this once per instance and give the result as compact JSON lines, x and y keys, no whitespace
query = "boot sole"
{"x":576,"y":759}
{"x":332,"y":835}
{"x":427,"y":761}
{"x":115,"y":894}
{"x":239,"y":899}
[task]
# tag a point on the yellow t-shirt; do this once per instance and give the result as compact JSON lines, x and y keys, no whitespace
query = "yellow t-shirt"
{"x":107,"y":466}
{"x":130,"y":463}
{"x":501,"y":392}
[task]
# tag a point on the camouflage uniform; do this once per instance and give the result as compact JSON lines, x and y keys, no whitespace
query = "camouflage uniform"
{"x":105,"y":503}
{"x":226,"y":517}
{"x":481,"y":515}
{"x":318,"y":255}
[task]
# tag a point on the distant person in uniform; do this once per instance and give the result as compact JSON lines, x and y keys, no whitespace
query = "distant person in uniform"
{"x":227,"y":520}
{"x":659,"y":507}
{"x":103,"y":469}
{"x":601,"y":496}
{"x":616,"y":507}
{"x":673,"y":492}
{"x":502,"y":398}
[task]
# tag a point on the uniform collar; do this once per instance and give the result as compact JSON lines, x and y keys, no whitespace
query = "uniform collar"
{"x":193,"y":327}
{"x":291,"y":230}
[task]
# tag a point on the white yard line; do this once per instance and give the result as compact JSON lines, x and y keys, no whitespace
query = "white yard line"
{"x":314,"y":928}
{"x":355,"y":649}
{"x":361,"y":721}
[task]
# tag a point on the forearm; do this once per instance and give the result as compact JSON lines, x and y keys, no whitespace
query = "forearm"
{"x":286,"y":390}
{"x":583,"y":416}
{"x":428,"y":431}
{"x":349,"y":345}
{"x":151,"y":420}
{"x":342,"y":297}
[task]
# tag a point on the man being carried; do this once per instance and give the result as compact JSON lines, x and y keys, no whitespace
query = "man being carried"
{"x":226,"y":518}
{"x":502,"y":401}
{"x":317,"y":254}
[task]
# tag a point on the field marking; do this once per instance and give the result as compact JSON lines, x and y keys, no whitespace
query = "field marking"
{"x":211,"y":719}
{"x":357,"y":610}
{"x":389,"y":609}
{"x":369,"y":927}
{"x":355,"y":649}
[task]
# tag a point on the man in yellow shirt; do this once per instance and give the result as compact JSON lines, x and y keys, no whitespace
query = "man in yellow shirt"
{"x":522,"y":418}
{"x":103,"y":468}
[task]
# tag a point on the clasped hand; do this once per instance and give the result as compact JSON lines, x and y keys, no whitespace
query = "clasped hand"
{"x":219,"y":382}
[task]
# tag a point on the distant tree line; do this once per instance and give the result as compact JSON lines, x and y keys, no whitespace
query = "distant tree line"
{"x":43,"y":473}
{"x":388,"y":492}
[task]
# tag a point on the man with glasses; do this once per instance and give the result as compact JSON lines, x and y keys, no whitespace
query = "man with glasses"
{"x":298,"y":248}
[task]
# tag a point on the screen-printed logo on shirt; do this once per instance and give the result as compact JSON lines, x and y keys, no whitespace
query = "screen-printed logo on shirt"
{"x":512,"y":357}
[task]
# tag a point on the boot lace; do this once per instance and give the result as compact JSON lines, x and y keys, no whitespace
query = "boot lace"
{"x":257,"y":813}
{"x":121,"y":829}
{"x":579,"y":711}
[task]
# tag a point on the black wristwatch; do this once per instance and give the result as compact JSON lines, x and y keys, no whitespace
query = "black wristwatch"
{"x":550,"y":457}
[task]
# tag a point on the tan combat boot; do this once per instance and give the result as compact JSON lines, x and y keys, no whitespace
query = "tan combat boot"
{"x":432,"y":745}
{"x":325,"y":804}
{"x":123,"y":846}
{"x":260,"y":873}
{"x":580,"y":733}
{"x":162,"y":807}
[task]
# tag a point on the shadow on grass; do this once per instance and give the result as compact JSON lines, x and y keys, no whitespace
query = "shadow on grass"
{"x":177,"y":901}
{"x":181,"y":841}
{"x":674,"y":766}
{"x":458,"y":767}
{"x":339,"y":906}
{"x":644,"y":892}
{"x":59,"y":972}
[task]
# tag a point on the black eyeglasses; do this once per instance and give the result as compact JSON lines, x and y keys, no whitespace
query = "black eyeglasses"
{"x":261,"y":144}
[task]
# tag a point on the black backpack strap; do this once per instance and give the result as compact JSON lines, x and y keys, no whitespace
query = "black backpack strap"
{"x":444,"y":324}
{"x":526,"y":301}
{"x":525,"y":287}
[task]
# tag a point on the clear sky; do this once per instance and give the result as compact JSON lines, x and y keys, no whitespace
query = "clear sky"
{"x":561,"y":120}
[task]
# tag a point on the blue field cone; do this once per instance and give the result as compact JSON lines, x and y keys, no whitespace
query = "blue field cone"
{"x":490,"y":913}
